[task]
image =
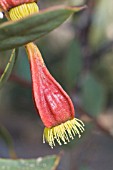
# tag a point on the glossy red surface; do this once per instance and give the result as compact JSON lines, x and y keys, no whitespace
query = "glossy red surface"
{"x":53,"y":103}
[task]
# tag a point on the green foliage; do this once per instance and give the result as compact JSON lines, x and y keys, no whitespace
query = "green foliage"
{"x":14,"y":34}
{"x":22,"y":68}
{"x":104,"y":70}
{"x":46,"y":163}
{"x":73,"y":63}
{"x":84,"y":168}
{"x":93,"y":95}
{"x":6,"y":137}
{"x":9,"y":67}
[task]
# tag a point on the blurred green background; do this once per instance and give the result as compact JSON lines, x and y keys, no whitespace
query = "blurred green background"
{"x":79,"y":54}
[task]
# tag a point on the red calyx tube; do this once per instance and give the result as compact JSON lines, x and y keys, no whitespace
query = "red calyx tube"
{"x":54,"y":105}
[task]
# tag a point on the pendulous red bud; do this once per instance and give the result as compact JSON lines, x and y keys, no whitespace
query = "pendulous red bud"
{"x":54,"y":105}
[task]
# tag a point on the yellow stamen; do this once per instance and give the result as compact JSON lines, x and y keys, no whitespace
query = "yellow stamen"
{"x":63,"y":132}
{"x":23,"y":10}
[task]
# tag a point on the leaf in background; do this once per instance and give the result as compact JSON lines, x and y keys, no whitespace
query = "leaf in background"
{"x":46,"y":163}
{"x":84,"y":167}
{"x":93,"y":95}
{"x":74,"y":63}
{"x":6,"y":137}
{"x":14,"y":34}
{"x":103,"y":70}
{"x":23,"y":65}
{"x":9,"y":67}
{"x":102,"y":23}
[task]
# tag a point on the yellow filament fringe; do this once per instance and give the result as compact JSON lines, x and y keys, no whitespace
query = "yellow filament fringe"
{"x":63,"y":132}
{"x":23,"y":10}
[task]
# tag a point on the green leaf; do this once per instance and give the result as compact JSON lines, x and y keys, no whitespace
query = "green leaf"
{"x":46,"y":163}
{"x":93,"y":95}
{"x":103,"y":70}
{"x":23,"y":65}
{"x":9,"y":67}
{"x":74,"y":64}
{"x":14,"y":34}
{"x":84,"y":167}
{"x":7,"y":138}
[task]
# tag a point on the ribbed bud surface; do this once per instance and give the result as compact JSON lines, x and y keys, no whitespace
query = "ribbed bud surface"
{"x":54,"y":105}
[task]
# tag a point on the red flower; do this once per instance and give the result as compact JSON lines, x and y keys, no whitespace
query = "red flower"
{"x":54,"y":105}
